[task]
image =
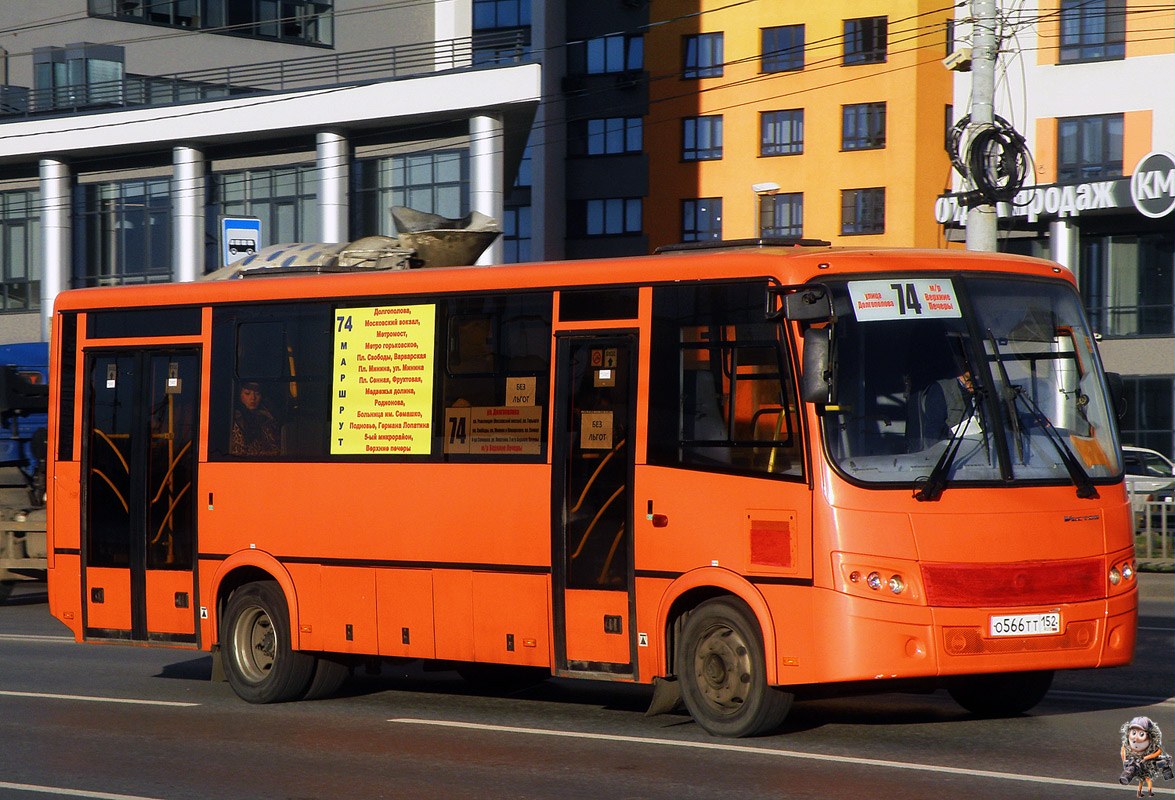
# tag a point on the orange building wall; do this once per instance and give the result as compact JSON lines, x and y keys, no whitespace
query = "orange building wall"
{"x":913,"y":166}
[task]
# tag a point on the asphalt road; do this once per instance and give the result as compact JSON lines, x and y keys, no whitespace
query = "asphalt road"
{"x":125,"y":722}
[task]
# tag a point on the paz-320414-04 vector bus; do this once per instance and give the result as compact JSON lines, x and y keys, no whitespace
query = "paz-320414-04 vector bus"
{"x":741,"y":474}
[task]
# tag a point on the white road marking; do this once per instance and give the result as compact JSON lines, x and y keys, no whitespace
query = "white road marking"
{"x":1133,"y":699}
{"x":32,"y":637}
{"x":839,"y":760}
{"x":28,"y":787}
{"x":92,"y":699}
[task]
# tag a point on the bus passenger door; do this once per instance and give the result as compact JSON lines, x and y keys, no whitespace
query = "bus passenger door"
{"x":592,"y":576}
{"x":139,"y":484}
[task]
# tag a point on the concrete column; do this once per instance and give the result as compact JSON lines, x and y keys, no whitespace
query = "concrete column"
{"x":1064,"y":241}
{"x":487,"y":171}
{"x":334,"y":160}
{"x":56,"y":182}
{"x":187,"y":213}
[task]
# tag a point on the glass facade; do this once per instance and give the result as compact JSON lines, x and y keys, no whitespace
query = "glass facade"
{"x":435,"y":182}
{"x":20,"y":246}
{"x":122,"y":232}
{"x":285,"y":199}
{"x":308,"y":22}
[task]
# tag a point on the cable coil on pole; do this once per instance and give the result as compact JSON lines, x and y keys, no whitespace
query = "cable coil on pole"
{"x":995,"y":159}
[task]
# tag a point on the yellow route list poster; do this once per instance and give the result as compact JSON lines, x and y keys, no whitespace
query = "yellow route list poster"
{"x":383,"y":380}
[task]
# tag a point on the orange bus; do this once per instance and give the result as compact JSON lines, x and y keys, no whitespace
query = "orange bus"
{"x":742,"y":473}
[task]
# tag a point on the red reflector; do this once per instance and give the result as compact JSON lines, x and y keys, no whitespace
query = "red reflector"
{"x":771,"y":543}
{"x":1025,"y":583}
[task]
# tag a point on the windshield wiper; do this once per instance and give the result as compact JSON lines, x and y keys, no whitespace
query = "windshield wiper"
{"x":1007,"y":393}
{"x":936,"y":481}
{"x":1011,"y":392}
{"x":1077,"y":473}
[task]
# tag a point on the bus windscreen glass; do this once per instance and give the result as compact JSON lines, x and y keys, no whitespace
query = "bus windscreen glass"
{"x":1001,"y":372}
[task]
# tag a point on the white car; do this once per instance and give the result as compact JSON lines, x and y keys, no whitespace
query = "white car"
{"x":1149,"y":474}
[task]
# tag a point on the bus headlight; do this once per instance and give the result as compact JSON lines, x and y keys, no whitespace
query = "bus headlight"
{"x":874,"y":580}
{"x":1128,"y":571}
{"x":1115,"y":576}
{"x":896,"y":584}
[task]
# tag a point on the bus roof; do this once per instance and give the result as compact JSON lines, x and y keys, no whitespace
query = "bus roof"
{"x":789,"y":265}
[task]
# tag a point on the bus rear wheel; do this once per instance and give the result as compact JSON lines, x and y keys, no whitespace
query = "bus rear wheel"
{"x":723,"y":674}
{"x":1002,"y":694}
{"x":259,"y":662}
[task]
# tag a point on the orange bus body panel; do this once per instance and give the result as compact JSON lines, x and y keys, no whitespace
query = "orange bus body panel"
{"x":169,"y":602}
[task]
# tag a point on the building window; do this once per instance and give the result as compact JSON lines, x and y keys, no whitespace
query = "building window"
{"x":1149,"y":420}
{"x":781,"y":214}
{"x":701,"y":138}
{"x":606,"y":137}
{"x":1127,"y":282}
{"x":862,"y":211}
{"x":865,"y":40}
{"x":701,"y":55}
{"x":294,"y":21}
{"x":782,"y":49}
{"x":497,"y":14}
{"x":20,"y":246}
{"x":436,"y":183}
{"x":615,"y":54}
{"x":614,"y":216}
{"x":701,"y":219}
{"x":782,"y":132}
{"x":1089,"y":148}
{"x":124,"y":229}
{"x":1092,"y":30}
{"x":79,"y":75}
{"x":863,"y":126}
{"x":284,"y":198}
{"x":516,"y":235}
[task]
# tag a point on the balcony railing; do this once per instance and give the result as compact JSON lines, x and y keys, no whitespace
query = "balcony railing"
{"x":398,"y":61}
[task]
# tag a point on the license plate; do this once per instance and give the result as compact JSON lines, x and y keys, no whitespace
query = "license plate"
{"x":1026,"y":624}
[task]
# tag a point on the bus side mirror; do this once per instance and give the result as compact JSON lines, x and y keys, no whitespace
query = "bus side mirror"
{"x":1117,"y":390}
{"x":818,"y":379}
{"x":803,"y":303}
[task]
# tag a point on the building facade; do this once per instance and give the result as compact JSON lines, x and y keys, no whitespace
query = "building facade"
{"x":130,"y":131}
{"x":818,"y":120}
{"x":1089,"y":84}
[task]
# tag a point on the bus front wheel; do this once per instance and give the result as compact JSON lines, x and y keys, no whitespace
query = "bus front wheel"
{"x":259,"y":662}
{"x":722,"y":671}
{"x":1002,"y":694}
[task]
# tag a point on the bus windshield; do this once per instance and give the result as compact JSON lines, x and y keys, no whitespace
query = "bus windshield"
{"x":997,"y":374}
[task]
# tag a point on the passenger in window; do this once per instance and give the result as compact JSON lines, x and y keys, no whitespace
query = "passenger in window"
{"x":254,"y":431}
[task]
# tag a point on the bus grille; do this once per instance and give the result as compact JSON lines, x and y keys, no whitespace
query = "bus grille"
{"x":1026,"y":583}
{"x":973,"y":642}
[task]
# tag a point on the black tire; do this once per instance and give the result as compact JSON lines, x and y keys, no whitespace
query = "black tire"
{"x":255,"y":641}
{"x":329,"y":676}
{"x":1002,"y":694}
{"x":723,"y":674}
{"x":6,"y":588}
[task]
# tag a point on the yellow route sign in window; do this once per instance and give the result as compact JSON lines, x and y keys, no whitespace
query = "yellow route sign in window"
{"x":383,"y":380}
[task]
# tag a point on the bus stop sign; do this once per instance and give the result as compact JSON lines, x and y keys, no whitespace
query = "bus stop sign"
{"x":239,"y":237}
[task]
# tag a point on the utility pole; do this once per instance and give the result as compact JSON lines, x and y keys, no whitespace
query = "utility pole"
{"x":981,"y":219}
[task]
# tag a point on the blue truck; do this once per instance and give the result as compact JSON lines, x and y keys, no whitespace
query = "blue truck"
{"x":24,"y":405}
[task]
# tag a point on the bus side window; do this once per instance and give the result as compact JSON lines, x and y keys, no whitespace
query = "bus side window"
{"x":722,"y":390}
{"x":270,"y":383}
{"x":498,"y":353}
